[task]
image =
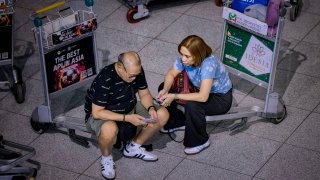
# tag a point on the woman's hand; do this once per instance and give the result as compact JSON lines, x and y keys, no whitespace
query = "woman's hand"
{"x":161,"y":94}
{"x":135,"y":119}
{"x":167,"y":100}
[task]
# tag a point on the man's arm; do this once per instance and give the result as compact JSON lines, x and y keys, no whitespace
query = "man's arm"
{"x":99,"y":113}
{"x":145,"y":98}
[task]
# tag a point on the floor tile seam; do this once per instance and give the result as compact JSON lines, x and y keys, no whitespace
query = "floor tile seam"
{"x":167,"y":153}
{"x":244,"y":132}
{"x":306,"y":11}
{"x":218,"y":167}
{"x":297,"y":127}
{"x":199,"y":2}
{"x":56,"y":167}
{"x":111,"y":12}
{"x":174,"y":168}
{"x":295,"y":72}
{"x":267,"y":161}
{"x":83,"y":173}
{"x":181,"y":14}
{"x":301,"y":40}
{"x":154,"y":72}
{"x":302,"y":147}
{"x":123,"y":31}
{"x":16,"y":113}
{"x":157,"y":36}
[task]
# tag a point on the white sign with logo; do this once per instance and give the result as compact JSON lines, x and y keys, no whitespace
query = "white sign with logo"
{"x":257,"y":57}
{"x":245,"y":21}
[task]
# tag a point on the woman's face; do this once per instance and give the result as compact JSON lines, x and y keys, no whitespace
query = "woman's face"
{"x":187,"y":58}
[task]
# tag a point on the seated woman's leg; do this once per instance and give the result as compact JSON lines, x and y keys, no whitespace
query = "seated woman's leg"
{"x":196,"y":112}
{"x":195,"y":132}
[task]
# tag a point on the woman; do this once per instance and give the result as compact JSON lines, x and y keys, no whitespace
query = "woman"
{"x":210,"y":77}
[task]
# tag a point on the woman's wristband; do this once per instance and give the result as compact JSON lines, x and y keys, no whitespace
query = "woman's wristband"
{"x":152,"y":106}
{"x":124,"y":118}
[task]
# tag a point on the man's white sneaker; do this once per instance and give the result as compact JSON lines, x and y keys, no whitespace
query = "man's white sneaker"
{"x":197,"y":149}
{"x":108,"y":168}
{"x":134,"y":151}
{"x":162,"y":130}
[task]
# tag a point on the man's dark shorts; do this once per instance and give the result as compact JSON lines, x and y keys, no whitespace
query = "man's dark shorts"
{"x":127,"y":131}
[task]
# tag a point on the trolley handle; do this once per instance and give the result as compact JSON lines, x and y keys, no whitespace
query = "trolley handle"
{"x":52,"y":6}
{"x":64,"y":9}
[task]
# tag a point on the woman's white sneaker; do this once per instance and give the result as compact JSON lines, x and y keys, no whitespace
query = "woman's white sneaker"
{"x":197,"y":149}
{"x":181,"y":128}
{"x":108,"y":167}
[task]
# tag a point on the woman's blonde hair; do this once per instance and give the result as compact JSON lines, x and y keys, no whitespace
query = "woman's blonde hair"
{"x":197,"y":47}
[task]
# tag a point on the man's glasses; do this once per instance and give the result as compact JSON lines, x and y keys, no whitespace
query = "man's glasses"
{"x":131,"y":76}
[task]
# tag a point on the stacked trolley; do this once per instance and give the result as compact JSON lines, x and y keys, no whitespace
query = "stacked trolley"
{"x":14,"y":77}
{"x":250,"y":54}
{"x":67,"y":49}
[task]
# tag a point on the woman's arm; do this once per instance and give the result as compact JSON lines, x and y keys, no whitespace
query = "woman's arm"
{"x":201,"y":96}
{"x":168,"y":80}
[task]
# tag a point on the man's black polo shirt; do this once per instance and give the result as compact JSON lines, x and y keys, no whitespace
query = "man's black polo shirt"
{"x":110,"y":91}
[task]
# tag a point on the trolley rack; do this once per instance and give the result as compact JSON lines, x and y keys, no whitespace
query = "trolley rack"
{"x":67,"y":49}
{"x":14,"y":78}
{"x":12,"y":161}
{"x":249,"y":53}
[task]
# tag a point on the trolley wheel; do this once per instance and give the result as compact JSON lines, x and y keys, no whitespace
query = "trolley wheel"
{"x":279,"y":120}
{"x":37,"y":127}
{"x":19,"y":92}
{"x":295,"y":9}
{"x":131,"y":12}
{"x":218,"y":3}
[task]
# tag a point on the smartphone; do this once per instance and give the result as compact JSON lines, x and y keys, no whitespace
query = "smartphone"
{"x":158,"y":101}
{"x":149,"y":120}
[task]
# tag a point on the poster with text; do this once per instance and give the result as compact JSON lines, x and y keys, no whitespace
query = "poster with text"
{"x":5,"y":36}
{"x":248,"y":53}
{"x":70,"y":64}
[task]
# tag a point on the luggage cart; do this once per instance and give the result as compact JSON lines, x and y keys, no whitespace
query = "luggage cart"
{"x":67,"y":49}
{"x":247,"y":52}
{"x":12,"y":161}
{"x":13,"y":78}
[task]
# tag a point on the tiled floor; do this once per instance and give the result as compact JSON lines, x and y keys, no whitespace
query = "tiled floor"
{"x":289,"y":150}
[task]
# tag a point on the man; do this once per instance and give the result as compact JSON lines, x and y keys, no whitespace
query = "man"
{"x":113,"y":113}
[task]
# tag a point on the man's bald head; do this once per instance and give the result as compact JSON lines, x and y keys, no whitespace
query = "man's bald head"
{"x":130,"y":59}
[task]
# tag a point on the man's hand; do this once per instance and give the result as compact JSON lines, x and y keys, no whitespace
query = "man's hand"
{"x":135,"y":119}
{"x":153,"y":113}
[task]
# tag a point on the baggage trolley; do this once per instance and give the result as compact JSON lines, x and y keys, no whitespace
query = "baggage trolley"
{"x":248,"y":53}
{"x":13,"y":79}
{"x":12,"y":161}
{"x":67,"y":50}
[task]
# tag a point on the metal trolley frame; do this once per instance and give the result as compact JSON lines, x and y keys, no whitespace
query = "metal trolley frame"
{"x":233,"y":38}
{"x":67,"y":49}
{"x":14,"y":78}
{"x":12,"y":161}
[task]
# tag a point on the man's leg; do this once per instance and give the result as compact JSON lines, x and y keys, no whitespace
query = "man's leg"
{"x":152,"y":128}
{"x":107,"y":135}
{"x":133,"y":148}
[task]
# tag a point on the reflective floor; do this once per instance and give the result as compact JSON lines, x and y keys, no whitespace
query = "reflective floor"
{"x":289,"y":150}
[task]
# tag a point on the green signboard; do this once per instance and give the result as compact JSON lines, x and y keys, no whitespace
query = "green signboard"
{"x":248,"y":53}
